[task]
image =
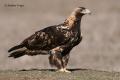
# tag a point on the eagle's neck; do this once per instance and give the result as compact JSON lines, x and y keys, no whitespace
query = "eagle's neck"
{"x":74,"y":22}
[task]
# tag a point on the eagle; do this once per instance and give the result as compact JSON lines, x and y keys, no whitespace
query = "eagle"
{"x":56,"y":41}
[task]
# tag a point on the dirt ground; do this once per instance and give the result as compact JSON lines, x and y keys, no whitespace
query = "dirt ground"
{"x":50,"y":74}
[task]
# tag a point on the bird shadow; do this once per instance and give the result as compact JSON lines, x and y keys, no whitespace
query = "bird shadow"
{"x":52,"y":70}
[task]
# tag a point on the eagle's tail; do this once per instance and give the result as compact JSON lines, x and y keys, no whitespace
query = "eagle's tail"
{"x":17,"y":54}
{"x":16,"y":47}
{"x":20,"y":53}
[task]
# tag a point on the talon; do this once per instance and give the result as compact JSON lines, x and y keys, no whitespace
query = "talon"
{"x":63,"y":70}
{"x":67,"y":71}
{"x":60,"y":70}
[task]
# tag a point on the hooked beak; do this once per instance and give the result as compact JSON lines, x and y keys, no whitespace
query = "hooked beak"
{"x":86,"y":11}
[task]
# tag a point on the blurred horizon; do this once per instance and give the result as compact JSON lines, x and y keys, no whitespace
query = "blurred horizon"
{"x":99,"y":49}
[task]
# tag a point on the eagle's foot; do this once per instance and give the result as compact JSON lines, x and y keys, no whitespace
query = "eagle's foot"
{"x":64,"y":70}
{"x":60,"y":70}
{"x":67,"y":71}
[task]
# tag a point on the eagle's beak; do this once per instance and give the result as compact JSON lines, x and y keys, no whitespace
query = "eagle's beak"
{"x":86,"y":11}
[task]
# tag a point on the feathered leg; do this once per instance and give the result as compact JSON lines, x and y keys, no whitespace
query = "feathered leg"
{"x":59,"y":60}
{"x":65,"y":60}
{"x":55,"y":59}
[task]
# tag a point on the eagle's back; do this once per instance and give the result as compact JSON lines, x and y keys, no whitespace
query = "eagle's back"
{"x":48,"y":38}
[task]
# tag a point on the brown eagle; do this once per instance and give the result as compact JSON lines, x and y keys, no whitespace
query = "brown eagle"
{"x":57,"y":41}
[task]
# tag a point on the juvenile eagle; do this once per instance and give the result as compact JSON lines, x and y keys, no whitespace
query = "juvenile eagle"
{"x":57,"y":41}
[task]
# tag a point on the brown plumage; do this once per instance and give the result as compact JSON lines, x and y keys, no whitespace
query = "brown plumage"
{"x":57,"y":41}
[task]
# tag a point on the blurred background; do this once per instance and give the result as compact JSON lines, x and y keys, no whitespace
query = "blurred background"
{"x":99,"y":49}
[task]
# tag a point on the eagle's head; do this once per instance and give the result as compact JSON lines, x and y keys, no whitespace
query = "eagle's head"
{"x":81,"y":11}
{"x":76,"y":15}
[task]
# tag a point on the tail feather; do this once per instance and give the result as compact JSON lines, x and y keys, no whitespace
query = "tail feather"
{"x":17,"y":54}
{"x":23,"y":52}
{"x":16,"y":47}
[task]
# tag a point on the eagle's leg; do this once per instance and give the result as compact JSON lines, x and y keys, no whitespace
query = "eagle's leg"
{"x":65,"y":60}
{"x":55,"y":59}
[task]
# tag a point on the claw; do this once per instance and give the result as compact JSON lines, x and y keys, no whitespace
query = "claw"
{"x":64,"y":70}
{"x":67,"y":71}
{"x":60,"y":70}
